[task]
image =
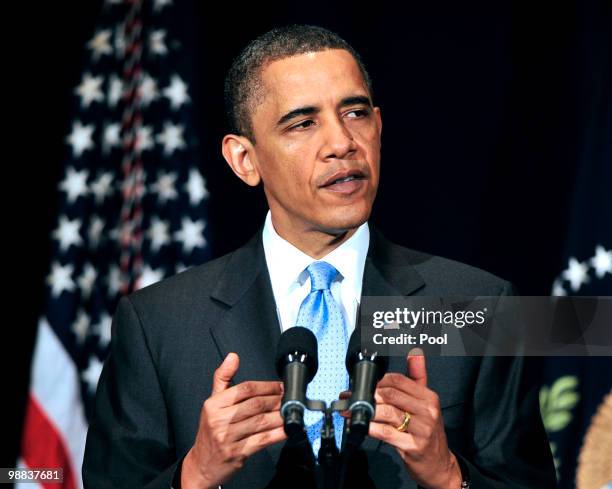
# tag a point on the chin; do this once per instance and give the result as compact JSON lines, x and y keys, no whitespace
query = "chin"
{"x":339,"y":221}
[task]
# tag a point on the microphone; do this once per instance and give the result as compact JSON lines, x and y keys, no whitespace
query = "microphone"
{"x":296,"y":364}
{"x":365,"y":369}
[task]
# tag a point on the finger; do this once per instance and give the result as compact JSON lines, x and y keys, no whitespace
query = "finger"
{"x":225,"y":372}
{"x":405,"y":384}
{"x":387,"y":433}
{"x":247,"y":390}
{"x":386,"y":413}
{"x":394,"y":417}
{"x":400,"y":400}
{"x":345,"y":395}
{"x":259,"y":441}
{"x":251,"y":407}
{"x":255,"y":424}
{"x":417,"y":370}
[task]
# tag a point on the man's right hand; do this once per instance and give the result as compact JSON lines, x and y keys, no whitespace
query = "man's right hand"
{"x":235,"y":423}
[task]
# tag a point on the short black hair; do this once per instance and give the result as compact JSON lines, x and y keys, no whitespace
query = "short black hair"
{"x":243,"y":86}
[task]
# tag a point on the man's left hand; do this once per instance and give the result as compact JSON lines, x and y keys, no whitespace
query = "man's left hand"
{"x":422,"y":444}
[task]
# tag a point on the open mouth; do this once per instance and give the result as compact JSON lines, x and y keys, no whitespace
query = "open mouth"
{"x":344,"y":177}
{"x":347,"y":179}
{"x":345,"y":183}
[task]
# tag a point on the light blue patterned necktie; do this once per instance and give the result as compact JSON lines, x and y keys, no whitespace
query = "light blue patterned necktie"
{"x":321,"y":314}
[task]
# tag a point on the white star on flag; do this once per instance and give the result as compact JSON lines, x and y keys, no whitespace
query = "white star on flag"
{"x":576,"y":273}
{"x":190,"y":234}
{"x":196,"y":187}
{"x":60,"y":279}
{"x":115,"y":233}
{"x":80,"y":138}
{"x":112,"y":137}
{"x":176,"y":92}
{"x":67,"y":233}
{"x":102,"y":187}
{"x":144,"y":138}
{"x":147,"y":90}
{"x":115,"y":91}
{"x":165,"y":187}
{"x":158,"y":233}
{"x":103,"y":329}
{"x":100,"y":44}
{"x":157,"y":43}
{"x":74,"y":184}
{"x":160,"y":4}
{"x":171,"y":138}
{"x":114,"y":281}
{"x":92,"y":374}
{"x":149,"y":277}
{"x":602,"y":261}
{"x":120,"y":40}
{"x":80,"y":327}
{"x":96,"y":226}
{"x":558,"y":289}
{"x":86,"y":280}
{"x":90,"y":89}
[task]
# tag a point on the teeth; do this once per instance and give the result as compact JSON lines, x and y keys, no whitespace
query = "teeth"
{"x":347,"y":179}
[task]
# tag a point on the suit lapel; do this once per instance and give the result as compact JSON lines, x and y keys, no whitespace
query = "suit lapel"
{"x":250,"y":325}
{"x":388,"y":272}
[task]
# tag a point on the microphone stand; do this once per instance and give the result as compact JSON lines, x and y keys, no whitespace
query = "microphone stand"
{"x":334,"y":464}
{"x":328,"y":453}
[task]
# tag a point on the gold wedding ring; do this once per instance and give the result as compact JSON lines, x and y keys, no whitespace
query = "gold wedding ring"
{"x":404,"y":426}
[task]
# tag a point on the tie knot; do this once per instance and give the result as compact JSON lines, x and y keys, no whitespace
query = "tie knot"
{"x":321,"y":275}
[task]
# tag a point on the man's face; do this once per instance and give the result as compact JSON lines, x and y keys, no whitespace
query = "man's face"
{"x":317,"y":143}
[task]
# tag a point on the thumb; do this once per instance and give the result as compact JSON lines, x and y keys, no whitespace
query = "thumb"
{"x":225,"y":372}
{"x":416,"y":366}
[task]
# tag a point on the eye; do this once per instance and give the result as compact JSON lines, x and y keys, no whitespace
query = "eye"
{"x":302,"y":125}
{"x":357,"y":113}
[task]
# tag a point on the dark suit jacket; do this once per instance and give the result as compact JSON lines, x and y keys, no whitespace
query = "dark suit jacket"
{"x":170,"y":337}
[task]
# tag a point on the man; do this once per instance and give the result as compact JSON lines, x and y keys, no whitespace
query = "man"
{"x":189,"y":395}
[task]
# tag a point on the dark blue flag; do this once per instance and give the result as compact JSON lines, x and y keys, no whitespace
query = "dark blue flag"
{"x":576,"y":403}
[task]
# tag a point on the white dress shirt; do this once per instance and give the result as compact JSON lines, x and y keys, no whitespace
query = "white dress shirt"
{"x":291,"y":282}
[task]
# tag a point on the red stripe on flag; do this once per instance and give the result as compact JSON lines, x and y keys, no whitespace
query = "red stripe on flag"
{"x":42,"y":446}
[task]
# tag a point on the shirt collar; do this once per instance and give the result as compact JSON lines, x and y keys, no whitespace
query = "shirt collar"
{"x":287,"y":264}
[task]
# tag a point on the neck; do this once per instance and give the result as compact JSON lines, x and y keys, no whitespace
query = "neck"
{"x":313,"y":242}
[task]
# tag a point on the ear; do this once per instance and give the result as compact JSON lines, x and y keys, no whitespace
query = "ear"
{"x":239,"y":154}
{"x":378,"y":120}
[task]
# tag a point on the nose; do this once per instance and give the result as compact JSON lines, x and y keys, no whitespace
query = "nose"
{"x":339,"y":141}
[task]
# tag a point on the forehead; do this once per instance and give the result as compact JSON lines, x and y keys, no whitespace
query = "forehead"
{"x":311,"y":79}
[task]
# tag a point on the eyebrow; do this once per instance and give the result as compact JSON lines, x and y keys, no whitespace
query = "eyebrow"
{"x":311,"y":109}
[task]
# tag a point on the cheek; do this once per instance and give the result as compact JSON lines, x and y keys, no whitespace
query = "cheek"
{"x":286,"y":169}
{"x":297,"y":159}
{"x":368,"y":138}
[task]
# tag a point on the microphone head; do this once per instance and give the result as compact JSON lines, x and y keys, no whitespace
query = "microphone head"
{"x":301,"y":340}
{"x":356,"y":353}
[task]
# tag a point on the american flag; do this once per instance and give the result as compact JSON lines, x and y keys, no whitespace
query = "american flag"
{"x":132,"y":211}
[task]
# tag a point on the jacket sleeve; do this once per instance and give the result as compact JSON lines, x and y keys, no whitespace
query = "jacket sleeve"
{"x":509,"y":447}
{"x":129,"y":442}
